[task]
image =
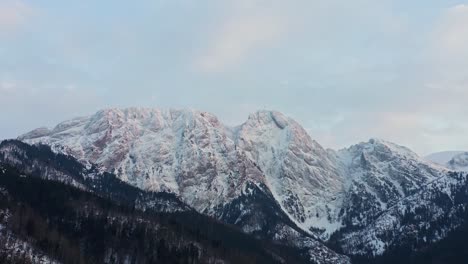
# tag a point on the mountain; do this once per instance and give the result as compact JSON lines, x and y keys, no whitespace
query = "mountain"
{"x":459,"y":162}
{"x":271,"y":179}
{"x":45,"y":221}
{"x":380,"y":174}
{"x":190,"y":153}
{"x":453,"y":160}
{"x":254,"y":209}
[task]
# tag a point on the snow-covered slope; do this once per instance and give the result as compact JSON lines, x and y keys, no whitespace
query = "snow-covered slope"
{"x":379,"y":174}
{"x":302,"y":176}
{"x":415,"y":221}
{"x":459,"y":162}
{"x":16,"y":250}
{"x":41,"y":162}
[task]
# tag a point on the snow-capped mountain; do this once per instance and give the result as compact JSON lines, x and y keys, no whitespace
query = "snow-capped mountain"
{"x":379,"y":174}
{"x":47,"y":221}
{"x":206,"y":163}
{"x":189,"y":153}
{"x":267,"y":175}
{"x":459,"y":162}
{"x":212,"y":167}
{"x":442,"y":157}
{"x":453,"y":160}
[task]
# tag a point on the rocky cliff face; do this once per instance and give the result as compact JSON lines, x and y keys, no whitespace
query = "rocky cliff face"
{"x":189,"y":153}
{"x":303,"y":177}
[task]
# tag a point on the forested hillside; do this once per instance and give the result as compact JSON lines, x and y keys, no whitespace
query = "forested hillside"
{"x":74,"y":226}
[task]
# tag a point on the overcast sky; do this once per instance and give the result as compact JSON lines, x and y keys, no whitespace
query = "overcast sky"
{"x":346,"y":70}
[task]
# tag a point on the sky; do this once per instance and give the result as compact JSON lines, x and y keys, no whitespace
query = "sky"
{"x":346,"y":70}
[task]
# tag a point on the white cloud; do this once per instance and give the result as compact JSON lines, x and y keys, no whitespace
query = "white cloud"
{"x":347,"y":70}
{"x":238,"y":37}
{"x":71,"y":88}
{"x":7,"y":87}
{"x":450,"y":38}
{"x":446,"y":63}
{"x":423,"y":132}
{"x":13,"y":14}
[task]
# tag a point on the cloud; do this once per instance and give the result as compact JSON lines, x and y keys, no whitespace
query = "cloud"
{"x":238,"y":37}
{"x":13,"y":14}
{"x":33,"y":106}
{"x":444,"y":76}
{"x":423,"y":132}
{"x":450,"y":37}
{"x":346,"y":70}
{"x":7,"y":87}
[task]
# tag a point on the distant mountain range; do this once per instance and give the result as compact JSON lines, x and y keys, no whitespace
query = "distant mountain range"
{"x":453,"y":160}
{"x":374,"y":202}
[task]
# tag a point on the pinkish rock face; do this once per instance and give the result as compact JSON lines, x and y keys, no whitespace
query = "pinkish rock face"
{"x":208,"y":164}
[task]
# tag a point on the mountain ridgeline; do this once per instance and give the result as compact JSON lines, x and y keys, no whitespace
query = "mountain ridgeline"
{"x":264,"y":190}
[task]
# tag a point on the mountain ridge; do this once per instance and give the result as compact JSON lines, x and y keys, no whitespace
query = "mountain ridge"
{"x":269,"y":148}
{"x":214,"y":168}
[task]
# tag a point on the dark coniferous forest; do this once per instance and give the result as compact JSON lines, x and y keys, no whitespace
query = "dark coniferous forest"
{"x":74,"y":226}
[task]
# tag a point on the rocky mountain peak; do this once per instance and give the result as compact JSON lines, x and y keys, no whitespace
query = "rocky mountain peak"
{"x":194,"y":155}
{"x":383,"y":150}
{"x":266,"y":117}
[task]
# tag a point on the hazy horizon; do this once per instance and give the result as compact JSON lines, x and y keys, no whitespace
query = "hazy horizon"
{"x":347,"y":71}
